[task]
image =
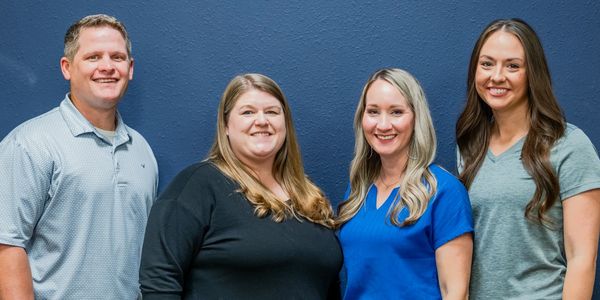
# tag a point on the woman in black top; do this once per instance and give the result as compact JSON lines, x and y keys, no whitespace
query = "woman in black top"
{"x":246,"y":223}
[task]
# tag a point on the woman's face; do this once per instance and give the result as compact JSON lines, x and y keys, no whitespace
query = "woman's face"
{"x":501,"y":77}
{"x":256,"y":127}
{"x":388,"y":120}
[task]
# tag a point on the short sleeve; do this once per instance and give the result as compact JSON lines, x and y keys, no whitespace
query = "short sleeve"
{"x":26,"y":172}
{"x":576,"y":162}
{"x":175,"y":231}
{"x":451,"y":211}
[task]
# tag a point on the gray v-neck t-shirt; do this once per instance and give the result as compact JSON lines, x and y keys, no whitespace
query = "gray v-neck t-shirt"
{"x":515,"y":258}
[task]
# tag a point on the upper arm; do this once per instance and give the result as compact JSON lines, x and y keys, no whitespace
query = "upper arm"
{"x":26,"y":173}
{"x":453,"y":262}
{"x":174,"y":234}
{"x":581,"y":217}
{"x":15,"y":274}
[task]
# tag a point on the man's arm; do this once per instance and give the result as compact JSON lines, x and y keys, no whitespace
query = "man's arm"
{"x":15,"y":275}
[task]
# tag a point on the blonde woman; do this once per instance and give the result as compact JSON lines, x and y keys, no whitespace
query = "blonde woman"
{"x":246,"y":223}
{"x":406,"y":226}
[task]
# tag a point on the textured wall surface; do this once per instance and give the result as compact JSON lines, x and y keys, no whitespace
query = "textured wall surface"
{"x":320,"y":52}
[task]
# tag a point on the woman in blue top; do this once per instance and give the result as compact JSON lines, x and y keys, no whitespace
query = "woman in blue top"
{"x":406,"y":223}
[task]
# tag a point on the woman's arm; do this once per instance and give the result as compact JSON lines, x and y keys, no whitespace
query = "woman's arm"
{"x":581,"y":215}
{"x":453,"y":260}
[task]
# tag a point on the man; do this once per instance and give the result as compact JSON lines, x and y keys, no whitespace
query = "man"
{"x":76,"y":183}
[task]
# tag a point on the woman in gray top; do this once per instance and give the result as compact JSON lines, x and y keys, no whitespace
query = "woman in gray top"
{"x":533,"y":179}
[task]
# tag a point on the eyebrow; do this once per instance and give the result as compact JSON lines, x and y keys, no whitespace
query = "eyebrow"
{"x":403,"y":106}
{"x":509,"y":59}
{"x":254,"y":107}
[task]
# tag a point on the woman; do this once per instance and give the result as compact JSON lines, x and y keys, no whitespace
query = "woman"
{"x":245,"y":223}
{"x":533,"y":179}
{"x":406,"y":224}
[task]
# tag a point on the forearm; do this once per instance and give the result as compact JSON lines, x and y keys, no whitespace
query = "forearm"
{"x":456,"y":291}
{"x":15,"y":274}
{"x":579,"y":280}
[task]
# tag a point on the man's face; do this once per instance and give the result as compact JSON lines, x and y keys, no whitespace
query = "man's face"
{"x":100,"y":70}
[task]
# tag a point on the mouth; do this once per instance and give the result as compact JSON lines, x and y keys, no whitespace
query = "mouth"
{"x":105,"y":80}
{"x":498,"y":91}
{"x":385,"y":137}
{"x":261,"y":133}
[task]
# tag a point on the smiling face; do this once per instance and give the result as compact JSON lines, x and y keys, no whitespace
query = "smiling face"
{"x":388,"y":120}
{"x":256,"y":128}
{"x":501,"y":77}
{"x":100,"y":70}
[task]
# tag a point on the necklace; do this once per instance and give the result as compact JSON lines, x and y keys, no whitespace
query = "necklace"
{"x":388,"y":186}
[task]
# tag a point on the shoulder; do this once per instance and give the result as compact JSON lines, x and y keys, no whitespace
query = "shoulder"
{"x":449,"y":190}
{"x":197,"y":179}
{"x":574,"y":142}
{"x":35,"y":132}
{"x":573,"y":136}
{"x":445,"y":180}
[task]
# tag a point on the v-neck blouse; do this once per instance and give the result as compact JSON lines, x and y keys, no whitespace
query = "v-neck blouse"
{"x":383,"y":261}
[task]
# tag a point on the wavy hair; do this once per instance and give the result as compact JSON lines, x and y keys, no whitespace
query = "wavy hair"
{"x":418,"y":184}
{"x":546,"y":120}
{"x":306,"y":199}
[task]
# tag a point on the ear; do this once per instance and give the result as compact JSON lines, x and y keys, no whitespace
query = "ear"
{"x":65,"y":64}
{"x":131,"y":69}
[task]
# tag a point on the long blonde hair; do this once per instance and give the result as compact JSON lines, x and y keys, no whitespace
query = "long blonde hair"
{"x":306,"y":199}
{"x":418,"y":184}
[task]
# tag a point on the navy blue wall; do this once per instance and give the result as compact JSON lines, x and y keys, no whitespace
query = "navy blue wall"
{"x":321,"y":53}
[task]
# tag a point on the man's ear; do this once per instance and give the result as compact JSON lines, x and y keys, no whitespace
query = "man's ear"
{"x":131,"y":69}
{"x":65,"y":65}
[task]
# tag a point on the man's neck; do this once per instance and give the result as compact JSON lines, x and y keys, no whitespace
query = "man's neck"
{"x":101,"y":118}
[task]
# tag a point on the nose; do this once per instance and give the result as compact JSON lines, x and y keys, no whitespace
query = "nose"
{"x":106,"y":64}
{"x":384,"y":123}
{"x":261,"y":119}
{"x":498,"y":74}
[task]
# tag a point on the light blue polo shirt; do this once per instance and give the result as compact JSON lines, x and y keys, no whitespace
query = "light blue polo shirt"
{"x":77,"y":203}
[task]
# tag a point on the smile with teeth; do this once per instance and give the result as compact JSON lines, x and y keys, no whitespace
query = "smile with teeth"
{"x":498,"y":91}
{"x":261,"y":133}
{"x":105,"y":80}
{"x":385,"y":136}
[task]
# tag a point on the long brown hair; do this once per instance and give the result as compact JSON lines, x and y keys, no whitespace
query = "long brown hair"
{"x":547,"y":122}
{"x":306,"y":199}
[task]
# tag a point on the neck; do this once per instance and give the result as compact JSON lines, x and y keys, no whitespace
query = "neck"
{"x":511,"y":125}
{"x":264,"y":173}
{"x":393,"y":167}
{"x":102,"y":118}
{"x":262,"y":170}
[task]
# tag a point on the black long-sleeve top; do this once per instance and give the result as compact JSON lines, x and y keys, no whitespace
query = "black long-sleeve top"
{"x":203,"y":241}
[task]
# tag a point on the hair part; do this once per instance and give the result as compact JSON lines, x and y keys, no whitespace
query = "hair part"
{"x":93,"y":21}
{"x":418,"y":184}
{"x":306,"y":199}
{"x":547,"y":122}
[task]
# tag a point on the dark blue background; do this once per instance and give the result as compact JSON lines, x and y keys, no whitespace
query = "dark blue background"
{"x":320,"y":52}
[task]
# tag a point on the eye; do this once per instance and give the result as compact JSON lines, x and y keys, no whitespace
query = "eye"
{"x":119,"y":57}
{"x":397,"y":112}
{"x":272,"y":112}
{"x":485,"y":64}
{"x":514,"y":67}
{"x":246,"y":112}
{"x":94,"y":57}
{"x":372,"y":111}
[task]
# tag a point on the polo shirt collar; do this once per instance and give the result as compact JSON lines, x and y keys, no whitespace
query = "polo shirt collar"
{"x":79,"y":125}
